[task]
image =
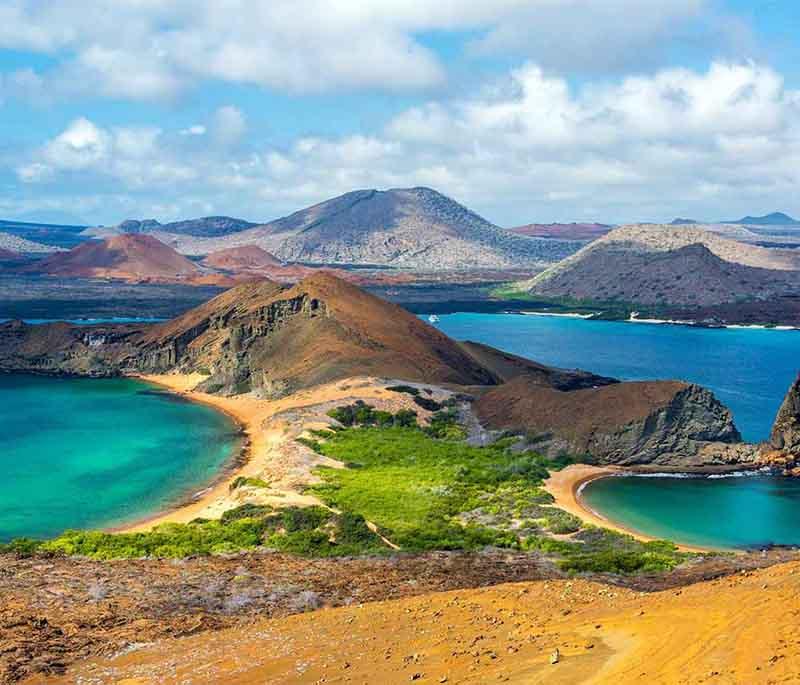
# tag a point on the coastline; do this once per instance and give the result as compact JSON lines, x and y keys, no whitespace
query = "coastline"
{"x":566,"y":485}
{"x":212,"y":500}
{"x":270,"y":451}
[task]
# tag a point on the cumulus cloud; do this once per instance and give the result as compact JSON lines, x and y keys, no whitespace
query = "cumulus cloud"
{"x":526,"y":147}
{"x":229,"y":124}
{"x":304,"y":46}
{"x":130,"y":155}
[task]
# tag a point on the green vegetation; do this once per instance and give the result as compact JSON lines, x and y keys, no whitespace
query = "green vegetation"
{"x":606,"y":310}
{"x":362,"y":414}
{"x":245,"y":481}
{"x":425,"y":488}
{"x":309,"y":531}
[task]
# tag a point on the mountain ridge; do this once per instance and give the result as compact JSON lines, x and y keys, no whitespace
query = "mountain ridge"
{"x":657,"y":264}
{"x":414,"y":228}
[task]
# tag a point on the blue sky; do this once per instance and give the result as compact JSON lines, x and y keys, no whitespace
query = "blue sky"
{"x":524,"y":110}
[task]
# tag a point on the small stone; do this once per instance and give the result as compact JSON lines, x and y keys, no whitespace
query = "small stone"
{"x":555,"y":657}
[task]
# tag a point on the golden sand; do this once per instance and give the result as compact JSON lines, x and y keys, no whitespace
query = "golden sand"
{"x":736,"y":630}
{"x":271,"y":454}
{"x":565,"y":487}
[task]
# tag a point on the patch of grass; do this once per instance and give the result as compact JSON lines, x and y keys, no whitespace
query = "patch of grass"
{"x":21,"y":547}
{"x":415,"y":486}
{"x":247,"y":481}
{"x":309,"y":531}
{"x":426,"y":488}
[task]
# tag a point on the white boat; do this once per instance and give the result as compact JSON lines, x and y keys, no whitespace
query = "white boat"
{"x":433,"y":318}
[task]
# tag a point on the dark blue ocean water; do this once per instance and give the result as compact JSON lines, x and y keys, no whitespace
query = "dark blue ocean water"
{"x":750,"y":370}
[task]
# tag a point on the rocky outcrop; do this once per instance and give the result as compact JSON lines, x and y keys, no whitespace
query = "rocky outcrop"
{"x":782,"y":452}
{"x":505,"y":367}
{"x":785,"y":436}
{"x":670,"y":266}
{"x":258,"y":337}
{"x":665,"y":423}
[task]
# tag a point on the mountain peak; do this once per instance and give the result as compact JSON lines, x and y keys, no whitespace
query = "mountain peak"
{"x":773,"y":219}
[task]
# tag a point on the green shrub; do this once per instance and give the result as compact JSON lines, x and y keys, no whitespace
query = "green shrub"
{"x":21,"y":547}
{"x":245,"y":511}
{"x":427,"y":403}
{"x":247,"y":481}
{"x":409,"y":390}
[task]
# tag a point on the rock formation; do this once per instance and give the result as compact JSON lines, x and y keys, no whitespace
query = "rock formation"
{"x":670,"y":266}
{"x":785,"y":435}
{"x":665,"y":423}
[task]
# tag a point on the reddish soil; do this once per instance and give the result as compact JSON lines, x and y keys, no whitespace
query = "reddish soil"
{"x":126,"y":257}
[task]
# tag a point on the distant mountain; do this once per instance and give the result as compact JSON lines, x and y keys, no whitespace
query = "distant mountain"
{"x":573,"y":231}
{"x":658,"y":264}
{"x":9,"y":255}
{"x":416,"y":228}
{"x":774,"y":219}
{"x":126,"y":257}
{"x":54,"y":235}
{"x":247,"y":257}
{"x":684,"y":222}
{"x":251,"y":261}
{"x":15,"y":243}
{"x":204,"y":227}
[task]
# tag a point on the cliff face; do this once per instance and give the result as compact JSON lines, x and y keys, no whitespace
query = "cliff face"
{"x":785,"y":435}
{"x":257,"y":337}
{"x":665,"y":423}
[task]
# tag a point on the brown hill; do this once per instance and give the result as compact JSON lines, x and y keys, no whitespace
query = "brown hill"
{"x":573,"y":231}
{"x":244,"y":258}
{"x":263,"y":337}
{"x":126,"y":257}
{"x":272,"y":339}
{"x":649,"y":422}
{"x":249,"y":261}
{"x":660,"y":265}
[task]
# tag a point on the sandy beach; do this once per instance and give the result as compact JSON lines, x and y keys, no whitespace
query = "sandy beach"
{"x":271,"y":452}
{"x":565,"y":487}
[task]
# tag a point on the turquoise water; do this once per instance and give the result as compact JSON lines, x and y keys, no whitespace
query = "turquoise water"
{"x":743,"y":512}
{"x":749,"y":370}
{"x":88,"y":453}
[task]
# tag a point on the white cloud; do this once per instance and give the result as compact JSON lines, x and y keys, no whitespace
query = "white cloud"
{"x":195,"y":130}
{"x":144,"y":49}
{"x":80,"y":146}
{"x":529,"y":147}
{"x":229,"y":125}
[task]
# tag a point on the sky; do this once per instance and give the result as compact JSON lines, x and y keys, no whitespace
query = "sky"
{"x":524,"y":110}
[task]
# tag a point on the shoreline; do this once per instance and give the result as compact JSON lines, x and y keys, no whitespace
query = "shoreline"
{"x":268,"y":453}
{"x":688,"y":323}
{"x":566,"y":486}
{"x":228,"y":469}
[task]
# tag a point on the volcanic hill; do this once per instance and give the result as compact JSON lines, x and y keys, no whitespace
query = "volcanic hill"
{"x":670,"y":265}
{"x":246,"y":257}
{"x":133,"y":257}
{"x":272,"y":340}
{"x":413,"y":228}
